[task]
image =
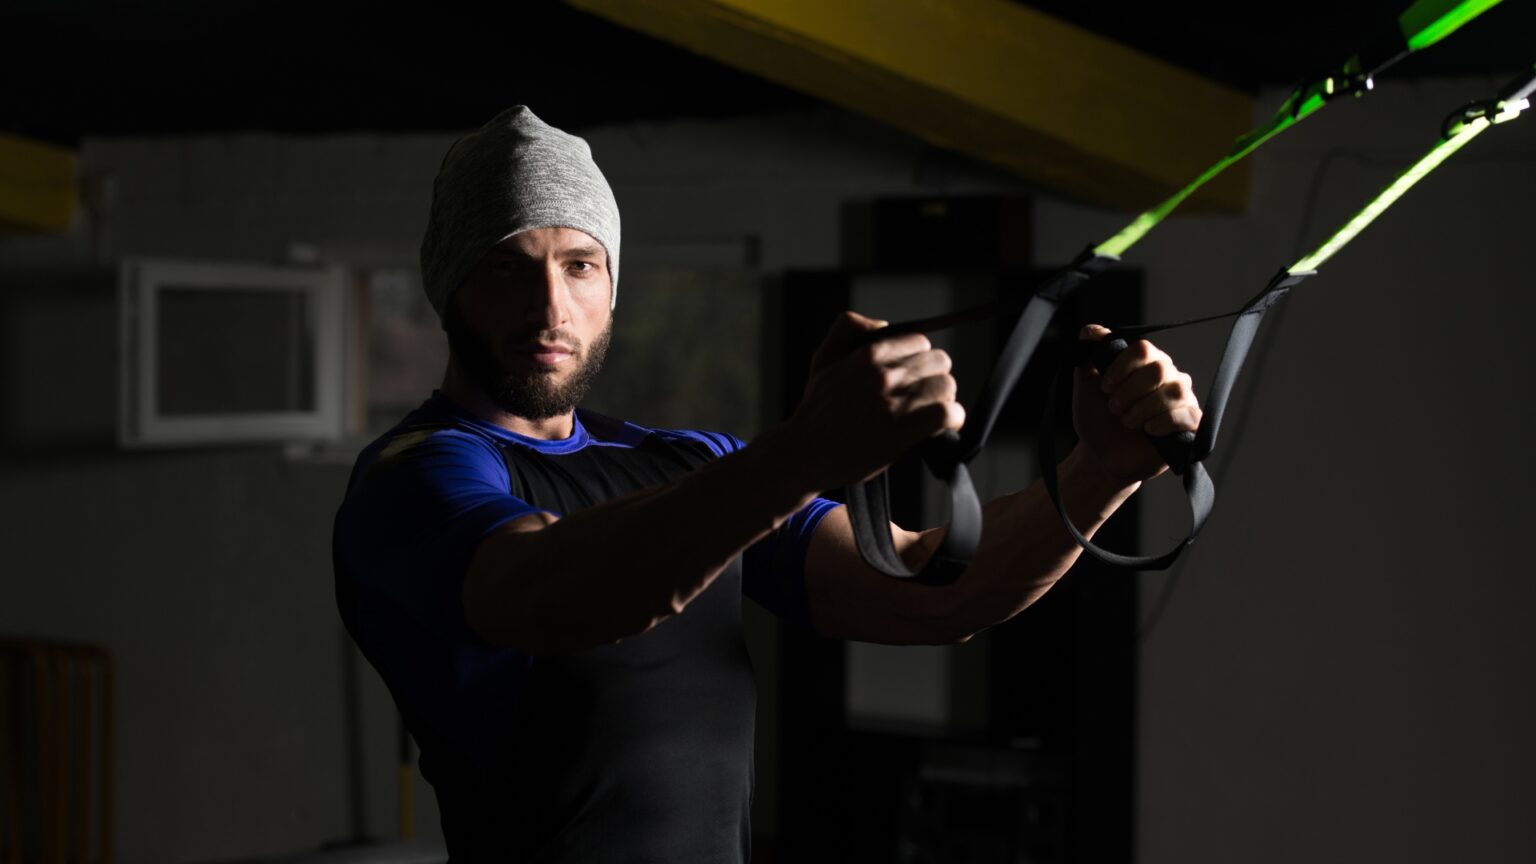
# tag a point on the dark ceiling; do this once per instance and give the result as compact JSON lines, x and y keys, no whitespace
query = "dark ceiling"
{"x":71,"y":68}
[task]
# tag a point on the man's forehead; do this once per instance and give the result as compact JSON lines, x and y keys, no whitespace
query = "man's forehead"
{"x":561,"y":241}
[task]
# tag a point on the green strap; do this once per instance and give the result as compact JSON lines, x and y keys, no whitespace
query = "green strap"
{"x":1458,"y":135}
{"x":1420,"y":26}
{"x":1439,"y":154}
{"x":1428,"y":21}
{"x":1284,"y":119}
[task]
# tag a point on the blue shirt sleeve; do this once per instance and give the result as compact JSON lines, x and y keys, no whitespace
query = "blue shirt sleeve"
{"x":773,"y":568}
{"x":413,"y":518}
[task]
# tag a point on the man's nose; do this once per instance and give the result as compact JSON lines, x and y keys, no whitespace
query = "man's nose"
{"x":548,"y":304}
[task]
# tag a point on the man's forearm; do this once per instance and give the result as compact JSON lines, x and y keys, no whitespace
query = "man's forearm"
{"x":618,"y":568}
{"x":1024,"y":550}
{"x":1024,"y":547}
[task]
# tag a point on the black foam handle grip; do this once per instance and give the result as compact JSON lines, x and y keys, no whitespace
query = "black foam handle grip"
{"x":1176,"y":448}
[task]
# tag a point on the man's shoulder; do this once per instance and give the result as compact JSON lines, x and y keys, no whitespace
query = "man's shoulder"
{"x":429,"y":438}
{"x":719,"y":443}
{"x":606,"y":430}
{"x":438,"y":434}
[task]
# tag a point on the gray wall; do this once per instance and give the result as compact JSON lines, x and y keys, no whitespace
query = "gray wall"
{"x":1339,"y":674}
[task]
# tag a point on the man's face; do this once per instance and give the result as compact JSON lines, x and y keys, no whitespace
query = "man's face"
{"x":531,"y":325}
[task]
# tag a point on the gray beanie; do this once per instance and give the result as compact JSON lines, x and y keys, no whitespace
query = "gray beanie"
{"x":516,"y":173}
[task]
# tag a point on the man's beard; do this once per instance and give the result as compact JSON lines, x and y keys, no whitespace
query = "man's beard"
{"x":533,"y":395}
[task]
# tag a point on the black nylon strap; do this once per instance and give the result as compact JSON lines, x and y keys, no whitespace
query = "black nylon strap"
{"x":869,"y":511}
{"x":1185,"y":453}
{"x":946,"y":456}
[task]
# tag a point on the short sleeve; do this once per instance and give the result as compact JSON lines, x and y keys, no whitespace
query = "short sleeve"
{"x":774,"y":567}
{"x":413,"y":518}
{"x":718,"y":443}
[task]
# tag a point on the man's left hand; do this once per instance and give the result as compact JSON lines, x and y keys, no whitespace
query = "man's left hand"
{"x":1141,"y":393}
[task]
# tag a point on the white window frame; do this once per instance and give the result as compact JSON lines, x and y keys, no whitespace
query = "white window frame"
{"x":141,"y":282}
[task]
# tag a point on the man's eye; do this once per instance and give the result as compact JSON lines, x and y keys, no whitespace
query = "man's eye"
{"x":583,"y":266}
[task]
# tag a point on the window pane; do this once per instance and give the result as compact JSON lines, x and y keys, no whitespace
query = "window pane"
{"x":235,"y":352}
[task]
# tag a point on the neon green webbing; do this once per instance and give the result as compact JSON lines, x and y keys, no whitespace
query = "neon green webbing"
{"x":1390,"y":194}
{"x":1422,"y":24}
{"x":1283,"y":119}
{"x":1428,"y":21}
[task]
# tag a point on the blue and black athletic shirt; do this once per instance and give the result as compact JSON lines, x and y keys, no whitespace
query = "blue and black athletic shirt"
{"x":636,"y":751}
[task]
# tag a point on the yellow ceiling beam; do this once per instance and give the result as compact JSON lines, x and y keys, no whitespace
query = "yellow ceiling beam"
{"x":37,"y":185}
{"x":1051,"y":102}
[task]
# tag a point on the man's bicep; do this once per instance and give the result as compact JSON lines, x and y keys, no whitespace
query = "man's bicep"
{"x":491,"y":595}
{"x":774,"y":566}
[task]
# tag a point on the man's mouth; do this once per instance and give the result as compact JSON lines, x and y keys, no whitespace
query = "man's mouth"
{"x":546,"y":354}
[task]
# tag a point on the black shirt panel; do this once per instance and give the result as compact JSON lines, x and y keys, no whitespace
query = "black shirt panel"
{"x":635,"y":751}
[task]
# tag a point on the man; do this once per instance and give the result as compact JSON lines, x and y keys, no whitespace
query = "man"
{"x":553,"y":596}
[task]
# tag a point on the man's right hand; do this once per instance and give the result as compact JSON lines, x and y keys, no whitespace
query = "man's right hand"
{"x":867,"y":402}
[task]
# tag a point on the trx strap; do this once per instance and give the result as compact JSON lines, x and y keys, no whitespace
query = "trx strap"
{"x":1185,"y":454}
{"x":946,"y":456}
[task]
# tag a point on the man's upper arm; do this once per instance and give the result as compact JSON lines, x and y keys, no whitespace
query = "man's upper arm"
{"x":775,"y":567}
{"x":413,"y":520}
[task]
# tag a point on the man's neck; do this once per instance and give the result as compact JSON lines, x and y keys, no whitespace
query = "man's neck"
{"x":468,"y":397}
